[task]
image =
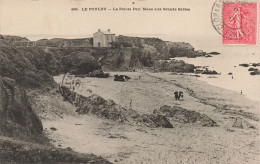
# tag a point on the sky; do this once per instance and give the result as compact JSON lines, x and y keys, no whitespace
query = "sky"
{"x":36,"y":19}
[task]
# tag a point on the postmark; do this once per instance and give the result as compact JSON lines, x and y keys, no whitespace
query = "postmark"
{"x":239,"y":23}
{"x":216,"y":16}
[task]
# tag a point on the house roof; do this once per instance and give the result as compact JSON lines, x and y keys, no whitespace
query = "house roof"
{"x":106,"y":32}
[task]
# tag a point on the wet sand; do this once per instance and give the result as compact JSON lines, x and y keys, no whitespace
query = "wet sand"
{"x":185,"y":143}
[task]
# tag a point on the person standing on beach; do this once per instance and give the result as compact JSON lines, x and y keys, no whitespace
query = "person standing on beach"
{"x":180,"y":94}
{"x":176,"y":95}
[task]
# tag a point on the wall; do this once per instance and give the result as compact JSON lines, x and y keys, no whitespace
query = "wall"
{"x":99,"y":37}
{"x":103,"y":39}
{"x":109,"y":39}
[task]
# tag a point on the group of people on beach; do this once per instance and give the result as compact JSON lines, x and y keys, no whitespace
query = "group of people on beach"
{"x":178,"y":95}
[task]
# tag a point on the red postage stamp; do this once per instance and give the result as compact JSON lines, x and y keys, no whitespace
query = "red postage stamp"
{"x":239,"y":23}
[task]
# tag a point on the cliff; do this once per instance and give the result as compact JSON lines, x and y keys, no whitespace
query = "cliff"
{"x":55,"y":56}
{"x":160,"y":49}
{"x":28,"y":66}
{"x":33,"y":67}
{"x":17,"y":118}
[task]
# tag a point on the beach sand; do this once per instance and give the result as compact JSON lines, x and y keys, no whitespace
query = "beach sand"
{"x":185,"y":143}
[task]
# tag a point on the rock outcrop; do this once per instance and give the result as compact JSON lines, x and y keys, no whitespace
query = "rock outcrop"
{"x":257,"y":72}
{"x":33,"y":67}
{"x":181,"y":115}
{"x":242,"y":123}
{"x":16,"y":116}
{"x":55,"y":56}
{"x":253,"y":71}
{"x":244,"y":65}
{"x":29,"y":67}
{"x":174,"y":66}
{"x":108,"y":109}
{"x":160,"y":49}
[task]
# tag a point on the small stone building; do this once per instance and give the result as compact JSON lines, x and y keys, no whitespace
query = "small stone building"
{"x":103,"y":38}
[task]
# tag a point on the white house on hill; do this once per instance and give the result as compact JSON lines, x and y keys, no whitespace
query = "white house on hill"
{"x":103,"y":38}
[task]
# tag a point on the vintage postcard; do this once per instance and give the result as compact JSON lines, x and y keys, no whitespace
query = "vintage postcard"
{"x":129,"y":81}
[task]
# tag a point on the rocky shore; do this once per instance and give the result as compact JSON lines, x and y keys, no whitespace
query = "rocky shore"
{"x":96,"y":105}
{"x":253,"y":70}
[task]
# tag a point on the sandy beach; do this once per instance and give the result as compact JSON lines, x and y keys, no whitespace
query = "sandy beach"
{"x":185,"y":143}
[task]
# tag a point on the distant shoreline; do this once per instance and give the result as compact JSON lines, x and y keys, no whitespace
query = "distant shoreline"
{"x":242,"y":80}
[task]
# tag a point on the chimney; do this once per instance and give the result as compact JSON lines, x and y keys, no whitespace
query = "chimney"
{"x":98,"y":30}
{"x":108,"y":30}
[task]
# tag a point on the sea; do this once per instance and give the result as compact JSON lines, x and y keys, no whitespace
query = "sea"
{"x":225,"y":64}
